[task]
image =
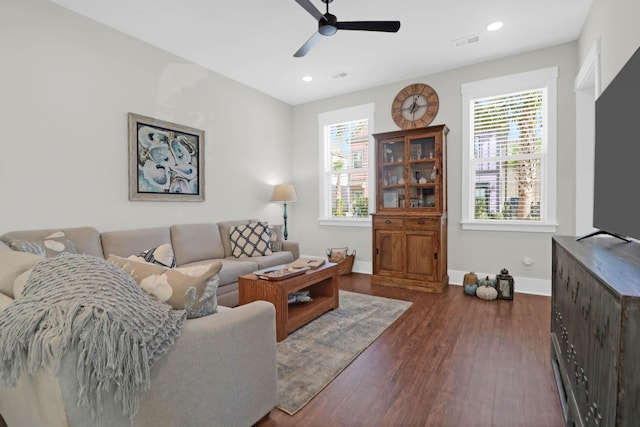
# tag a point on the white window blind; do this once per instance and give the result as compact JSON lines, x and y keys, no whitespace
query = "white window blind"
{"x":344,"y":169}
{"x":509,"y":126}
{"x":509,"y":156}
{"x":347,"y":169}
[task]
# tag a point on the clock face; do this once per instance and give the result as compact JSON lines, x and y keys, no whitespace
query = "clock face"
{"x":415,"y":106}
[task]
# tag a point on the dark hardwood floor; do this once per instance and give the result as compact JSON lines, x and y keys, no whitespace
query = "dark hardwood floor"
{"x":450,"y":360}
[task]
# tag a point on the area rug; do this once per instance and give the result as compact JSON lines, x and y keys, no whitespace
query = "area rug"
{"x":312,"y":356}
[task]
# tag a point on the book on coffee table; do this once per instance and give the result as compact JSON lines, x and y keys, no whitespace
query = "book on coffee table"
{"x":311,"y":263}
{"x":279,"y":272}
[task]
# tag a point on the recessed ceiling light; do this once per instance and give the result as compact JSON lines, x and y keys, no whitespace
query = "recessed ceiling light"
{"x":495,"y":26}
{"x":307,"y":78}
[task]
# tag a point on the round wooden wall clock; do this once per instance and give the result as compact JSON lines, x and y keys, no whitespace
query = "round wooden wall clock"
{"x":415,"y":106}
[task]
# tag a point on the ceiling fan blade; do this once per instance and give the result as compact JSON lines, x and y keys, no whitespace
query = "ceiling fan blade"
{"x":308,"y":44}
{"x":387,"y":26}
{"x":309,"y":7}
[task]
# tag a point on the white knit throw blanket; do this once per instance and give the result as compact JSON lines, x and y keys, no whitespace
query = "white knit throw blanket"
{"x":85,"y":303}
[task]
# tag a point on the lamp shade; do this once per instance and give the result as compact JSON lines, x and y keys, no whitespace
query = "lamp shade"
{"x":284,"y":193}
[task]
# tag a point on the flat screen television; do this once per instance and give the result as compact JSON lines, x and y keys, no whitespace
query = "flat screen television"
{"x":616,"y":195}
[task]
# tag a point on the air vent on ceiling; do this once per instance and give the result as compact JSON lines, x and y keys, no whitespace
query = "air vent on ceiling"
{"x":466,"y":40}
{"x":339,"y":75}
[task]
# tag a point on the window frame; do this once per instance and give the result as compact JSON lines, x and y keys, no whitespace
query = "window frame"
{"x":531,"y":80}
{"x":359,"y":112}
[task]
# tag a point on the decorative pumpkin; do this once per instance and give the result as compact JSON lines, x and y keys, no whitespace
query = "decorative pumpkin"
{"x":487,"y":293}
{"x":487,"y":282}
{"x":470,"y":279}
{"x":471,"y":289}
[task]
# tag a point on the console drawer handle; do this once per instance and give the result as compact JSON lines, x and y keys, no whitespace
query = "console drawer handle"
{"x":388,"y":221}
{"x":421,"y":222}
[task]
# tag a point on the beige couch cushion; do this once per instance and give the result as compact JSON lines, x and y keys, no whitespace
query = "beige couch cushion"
{"x":196,"y":242}
{"x":132,"y":242}
{"x":12,"y":265}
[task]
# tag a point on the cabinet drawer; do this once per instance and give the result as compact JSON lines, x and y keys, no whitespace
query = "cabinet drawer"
{"x":387,"y":222}
{"x":422,"y":223}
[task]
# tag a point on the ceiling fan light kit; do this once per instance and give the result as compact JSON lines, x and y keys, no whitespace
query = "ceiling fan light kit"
{"x":328,"y":25}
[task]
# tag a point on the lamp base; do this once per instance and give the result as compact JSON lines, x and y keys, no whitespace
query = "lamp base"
{"x":284,"y":216}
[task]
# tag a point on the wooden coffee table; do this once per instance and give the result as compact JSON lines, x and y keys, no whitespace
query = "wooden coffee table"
{"x":322,"y":284}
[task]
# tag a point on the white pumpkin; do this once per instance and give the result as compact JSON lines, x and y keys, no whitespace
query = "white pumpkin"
{"x":487,"y":293}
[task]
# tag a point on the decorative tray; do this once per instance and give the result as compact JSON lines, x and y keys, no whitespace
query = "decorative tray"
{"x":280,"y":272}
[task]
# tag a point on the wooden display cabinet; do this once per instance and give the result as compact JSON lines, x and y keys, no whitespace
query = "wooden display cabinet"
{"x":410,"y":223}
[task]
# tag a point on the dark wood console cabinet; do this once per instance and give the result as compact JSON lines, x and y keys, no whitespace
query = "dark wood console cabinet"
{"x":595,"y":330}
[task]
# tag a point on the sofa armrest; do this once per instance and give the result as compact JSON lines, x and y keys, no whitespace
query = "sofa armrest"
{"x":222,"y":370}
{"x":292,"y":247}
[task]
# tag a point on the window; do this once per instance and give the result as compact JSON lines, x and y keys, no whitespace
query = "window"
{"x":345,"y":175}
{"x":509,"y":150}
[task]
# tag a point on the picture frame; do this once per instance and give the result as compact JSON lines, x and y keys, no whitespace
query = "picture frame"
{"x":166,"y":160}
{"x":390,"y":199}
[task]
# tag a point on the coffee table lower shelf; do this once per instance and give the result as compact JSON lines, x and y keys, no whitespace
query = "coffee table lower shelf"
{"x":322,"y":284}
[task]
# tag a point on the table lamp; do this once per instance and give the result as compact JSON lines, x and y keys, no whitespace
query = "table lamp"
{"x":284,"y":193}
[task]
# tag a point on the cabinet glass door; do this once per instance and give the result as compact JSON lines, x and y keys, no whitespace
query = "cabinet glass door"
{"x":423,"y":172}
{"x":393,"y":174}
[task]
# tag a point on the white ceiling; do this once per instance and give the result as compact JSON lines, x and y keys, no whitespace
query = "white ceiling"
{"x":253,"y":41}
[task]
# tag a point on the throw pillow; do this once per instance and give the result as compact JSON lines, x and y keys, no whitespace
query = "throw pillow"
{"x":49,"y":246}
{"x":337,"y":254}
{"x":250,"y":240}
{"x":193,"y":289}
{"x":277,"y":237}
{"x":161,"y":255}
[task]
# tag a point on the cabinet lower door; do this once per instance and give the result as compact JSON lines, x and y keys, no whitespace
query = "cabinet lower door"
{"x":389,"y":253}
{"x":422,"y":255}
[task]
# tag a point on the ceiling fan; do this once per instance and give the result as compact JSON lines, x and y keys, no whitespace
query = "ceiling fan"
{"x":328,"y":25}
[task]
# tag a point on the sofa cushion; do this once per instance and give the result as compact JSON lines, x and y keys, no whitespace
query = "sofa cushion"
{"x":84,"y":240}
{"x":250,"y":240}
{"x":196,"y":242}
{"x":277,"y":258}
{"x":161,"y":255}
{"x":12,"y":265}
{"x":192,"y":289}
{"x":225,"y":227}
{"x":131,"y":242}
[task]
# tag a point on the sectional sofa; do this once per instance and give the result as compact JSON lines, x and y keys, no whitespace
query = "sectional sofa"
{"x":222,"y":368}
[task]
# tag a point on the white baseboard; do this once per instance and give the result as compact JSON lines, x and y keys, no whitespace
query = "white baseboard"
{"x":525,"y":285}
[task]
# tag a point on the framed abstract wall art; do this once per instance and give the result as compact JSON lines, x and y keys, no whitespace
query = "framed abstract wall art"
{"x":166,"y":161}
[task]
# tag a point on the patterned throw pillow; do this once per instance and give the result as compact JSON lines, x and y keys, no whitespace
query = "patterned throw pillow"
{"x":250,"y":240}
{"x":277,"y":237}
{"x":193,"y":289}
{"x":161,"y":255}
{"x":49,"y":246}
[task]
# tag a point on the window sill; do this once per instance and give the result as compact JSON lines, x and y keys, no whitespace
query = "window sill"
{"x":518,"y":226}
{"x":345,"y":222}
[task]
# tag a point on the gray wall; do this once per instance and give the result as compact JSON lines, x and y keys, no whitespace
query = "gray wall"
{"x":478,"y":251}
{"x":615,"y":24}
{"x":66,"y":86}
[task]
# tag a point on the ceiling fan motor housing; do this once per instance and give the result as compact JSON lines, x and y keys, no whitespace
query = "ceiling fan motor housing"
{"x":328,"y":25}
